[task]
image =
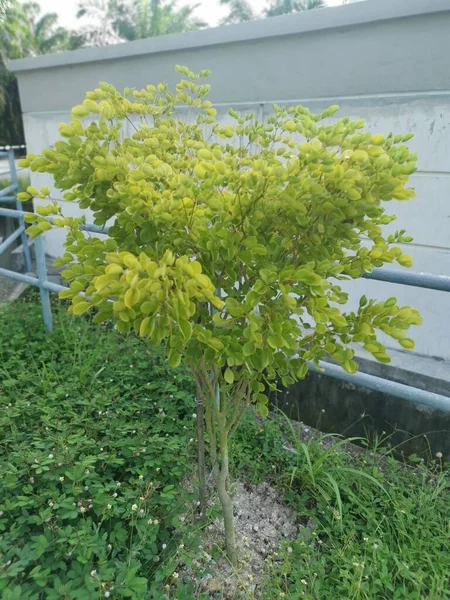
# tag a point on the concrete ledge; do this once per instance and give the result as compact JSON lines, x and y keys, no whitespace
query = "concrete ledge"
{"x":346,"y":16}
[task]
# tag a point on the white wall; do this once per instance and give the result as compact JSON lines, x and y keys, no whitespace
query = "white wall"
{"x":383,"y":61}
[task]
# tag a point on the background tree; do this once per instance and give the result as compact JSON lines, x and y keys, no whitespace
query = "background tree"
{"x":284,"y":7}
{"x":11,"y":127}
{"x":228,"y":246}
{"x":99,"y":29}
{"x":112,"y":21}
{"x":23,"y":32}
{"x":44,"y":36}
{"x":14,"y":31}
{"x":150,"y":18}
{"x":239,"y":12}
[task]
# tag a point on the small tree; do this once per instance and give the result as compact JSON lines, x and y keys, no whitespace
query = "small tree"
{"x":228,"y":242}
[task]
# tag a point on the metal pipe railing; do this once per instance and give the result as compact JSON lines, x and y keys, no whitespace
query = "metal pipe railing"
{"x":422,"y":280}
{"x":378,"y":384}
{"x":5,"y":191}
{"x":19,"y":214}
{"x":9,"y":240}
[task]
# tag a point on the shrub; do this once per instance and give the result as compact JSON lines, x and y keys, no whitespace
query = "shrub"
{"x":228,"y":242}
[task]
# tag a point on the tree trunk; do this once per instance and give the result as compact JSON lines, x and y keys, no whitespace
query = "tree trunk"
{"x":225,"y":498}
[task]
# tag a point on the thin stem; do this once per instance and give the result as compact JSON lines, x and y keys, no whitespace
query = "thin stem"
{"x":200,"y":410}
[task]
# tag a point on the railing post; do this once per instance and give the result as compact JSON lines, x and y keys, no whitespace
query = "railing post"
{"x":25,"y":246}
{"x":41,"y":267}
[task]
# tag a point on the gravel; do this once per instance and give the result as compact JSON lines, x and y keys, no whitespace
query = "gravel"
{"x":263,"y":523}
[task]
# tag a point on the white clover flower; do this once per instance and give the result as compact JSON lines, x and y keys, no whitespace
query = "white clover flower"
{"x":141,"y":477}
{"x":82,"y":509}
{"x":289,"y":550}
{"x":87,"y":471}
{"x":51,"y":456}
{"x":32,"y":479}
{"x":164,"y":546}
{"x":93,"y":573}
{"x":1,"y":513}
{"x":86,"y":487}
{"x":142,"y":511}
{"x":109,"y":546}
{"x":304,"y":581}
{"x":175,"y":575}
{"x":108,"y":506}
{"x":150,"y":522}
{"x":115,"y":495}
{"x":107,"y":594}
{"x":438,"y":454}
{"x":156,"y":522}
{"x":181,"y":546}
{"x":194,"y":416}
{"x":36,"y":460}
{"x":158,"y":469}
{"x":51,"y":504}
{"x":134,"y":507}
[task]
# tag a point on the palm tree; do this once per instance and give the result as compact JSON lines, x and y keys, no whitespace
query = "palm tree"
{"x":100,"y":30}
{"x":149,"y":18}
{"x":24,"y":32}
{"x":113,"y":21}
{"x":44,"y":34}
{"x":14,"y":30}
{"x":240,"y":11}
{"x":284,"y":7}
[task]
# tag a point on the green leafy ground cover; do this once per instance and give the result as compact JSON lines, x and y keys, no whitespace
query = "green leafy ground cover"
{"x":97,"y":441}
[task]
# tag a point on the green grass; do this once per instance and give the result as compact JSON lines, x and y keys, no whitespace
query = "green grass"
{"x":77,"y":410}
{"x":374,"y":528}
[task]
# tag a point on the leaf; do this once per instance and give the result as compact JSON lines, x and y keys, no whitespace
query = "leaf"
{"x":131,"y":297}
{"x":229,"y":376}
{"x":302,"y":371}
{"x":248,"y":348}
{"x":174,"y":358}
{"x":80,"y":308}
{"x":186,"y":329}
{"x":306,"y":276}
{"x":263,"y":410}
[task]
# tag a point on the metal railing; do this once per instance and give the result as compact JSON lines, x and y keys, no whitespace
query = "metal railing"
{"x":9,"y":195}
{"x":380,"y":384}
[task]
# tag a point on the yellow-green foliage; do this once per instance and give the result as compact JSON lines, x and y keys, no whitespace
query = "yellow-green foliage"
{"x":229,"y":241}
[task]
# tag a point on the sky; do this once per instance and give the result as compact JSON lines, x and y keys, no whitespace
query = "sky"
{"x":209,"y":10}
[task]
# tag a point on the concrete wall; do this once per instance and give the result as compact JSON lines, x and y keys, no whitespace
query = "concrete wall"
{"x":382,"y":60}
